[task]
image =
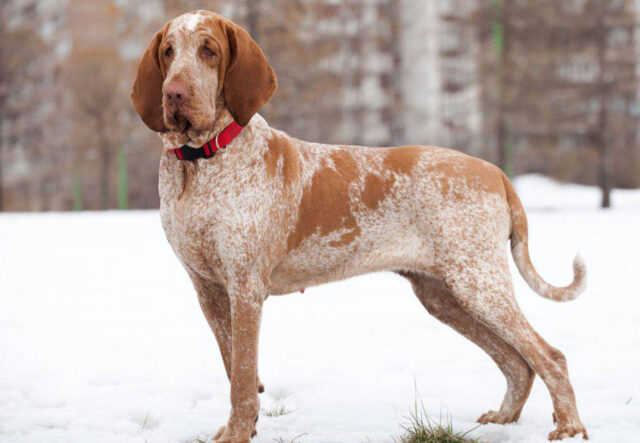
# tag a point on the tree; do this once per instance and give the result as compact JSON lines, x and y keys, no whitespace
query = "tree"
{"x":564,"y":76}
{"x":25,"y":112}
{"x":616,"y":80}
{"x":98,"y":105}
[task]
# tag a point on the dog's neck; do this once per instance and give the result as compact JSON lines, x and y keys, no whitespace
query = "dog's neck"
{"x":244,"y":151}
{"x":172,"y":139}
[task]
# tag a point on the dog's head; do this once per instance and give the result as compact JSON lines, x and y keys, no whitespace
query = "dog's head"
{"x":196,"y":62}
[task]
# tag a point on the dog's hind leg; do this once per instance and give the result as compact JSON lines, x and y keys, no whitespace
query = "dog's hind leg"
{"x":437,"y":299}
{"x":481,"y":285}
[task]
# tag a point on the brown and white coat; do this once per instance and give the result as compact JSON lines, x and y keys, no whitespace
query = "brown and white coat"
{"x":273,"y":215}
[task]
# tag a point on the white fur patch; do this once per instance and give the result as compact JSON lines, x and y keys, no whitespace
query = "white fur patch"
{"x":193,"y":20}
{"x":188,"y":22}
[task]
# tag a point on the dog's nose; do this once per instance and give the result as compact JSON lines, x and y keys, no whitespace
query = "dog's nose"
{"x":175,"y":94}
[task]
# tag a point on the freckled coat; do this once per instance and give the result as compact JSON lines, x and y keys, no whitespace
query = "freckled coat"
{"x":273,"y":215}
{"x":337,"y":211}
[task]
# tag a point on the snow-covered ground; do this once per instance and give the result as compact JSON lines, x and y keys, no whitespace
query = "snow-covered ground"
{"x":102,"y":338}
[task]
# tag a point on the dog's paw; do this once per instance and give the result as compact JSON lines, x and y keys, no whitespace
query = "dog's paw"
{"x":224,"y":439}
{"x":221,"y":438}
{"x":500,"y":418}
{"x":568,"y":430}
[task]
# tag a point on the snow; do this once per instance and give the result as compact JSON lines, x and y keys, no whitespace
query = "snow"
{"x":102,"y":338}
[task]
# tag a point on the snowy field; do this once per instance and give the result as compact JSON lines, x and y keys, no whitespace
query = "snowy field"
{"x":102,"y":338}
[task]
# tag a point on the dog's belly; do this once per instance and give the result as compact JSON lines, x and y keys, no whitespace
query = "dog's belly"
{"x":317,"y":261}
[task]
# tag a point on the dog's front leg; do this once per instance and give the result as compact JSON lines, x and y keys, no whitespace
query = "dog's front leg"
{"x":246,"y":309}
{"x":216,"y":308}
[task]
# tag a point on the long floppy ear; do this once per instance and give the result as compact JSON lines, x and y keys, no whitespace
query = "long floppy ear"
{"x":249,"y":81}
{"x":147,"y":88}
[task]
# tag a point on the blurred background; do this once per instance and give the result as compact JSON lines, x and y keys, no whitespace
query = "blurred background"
{"x":548,"y":87}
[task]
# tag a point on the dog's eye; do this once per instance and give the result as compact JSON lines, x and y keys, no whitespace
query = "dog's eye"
{"x":208,"y":52}
{"x":168,"y":52}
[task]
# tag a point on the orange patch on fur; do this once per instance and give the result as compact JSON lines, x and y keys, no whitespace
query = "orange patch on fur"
{"x":345,"y":164}
{"x":325,"y":205}
{"x":281,"y":147}
{"x":376,"y":189}
{"x":457,"y":175}
{"x":402,"y":159}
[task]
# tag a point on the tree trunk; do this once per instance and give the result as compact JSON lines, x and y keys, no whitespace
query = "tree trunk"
{"x":1,"y":179}
{"x":604,"y":178}
{"x":2,"y":140}
{"x":104,"y":175}
{"x":501,"y":47}
{"x":501,"y":141}
{"x":604,"y":174}
{"x":605,"y":183}
{"x":397,"y":124}
{"x":253,"y":16}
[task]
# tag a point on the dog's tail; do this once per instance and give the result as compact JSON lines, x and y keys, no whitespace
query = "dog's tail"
{"x":520,"y":252}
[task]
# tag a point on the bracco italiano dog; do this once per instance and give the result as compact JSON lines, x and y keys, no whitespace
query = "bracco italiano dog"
{"x":252,"y":212}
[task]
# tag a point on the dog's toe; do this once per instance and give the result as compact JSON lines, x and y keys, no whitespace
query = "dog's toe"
{"x":496,"y":417}
{"x":567,"y":431}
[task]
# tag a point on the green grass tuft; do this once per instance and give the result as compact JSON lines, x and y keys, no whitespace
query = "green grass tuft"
{"x":423,"y":429}
{"x":277,"y":409}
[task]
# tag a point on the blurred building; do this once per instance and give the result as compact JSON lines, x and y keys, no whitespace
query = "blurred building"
{"x":528,"y":86}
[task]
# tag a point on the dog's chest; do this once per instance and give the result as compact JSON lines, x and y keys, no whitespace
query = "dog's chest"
{"x":188,"y":222}
{"x":187,"y":233}
{"x":222,"y":218}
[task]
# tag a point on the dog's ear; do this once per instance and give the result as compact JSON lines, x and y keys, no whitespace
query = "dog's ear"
{"x":147,"y":88}
{"x":249,"y":80}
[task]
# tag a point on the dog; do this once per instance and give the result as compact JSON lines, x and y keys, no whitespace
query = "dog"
{"x":252,"y":212}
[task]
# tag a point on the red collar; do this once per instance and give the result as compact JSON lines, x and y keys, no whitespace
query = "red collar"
{"x":209,"y":149}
